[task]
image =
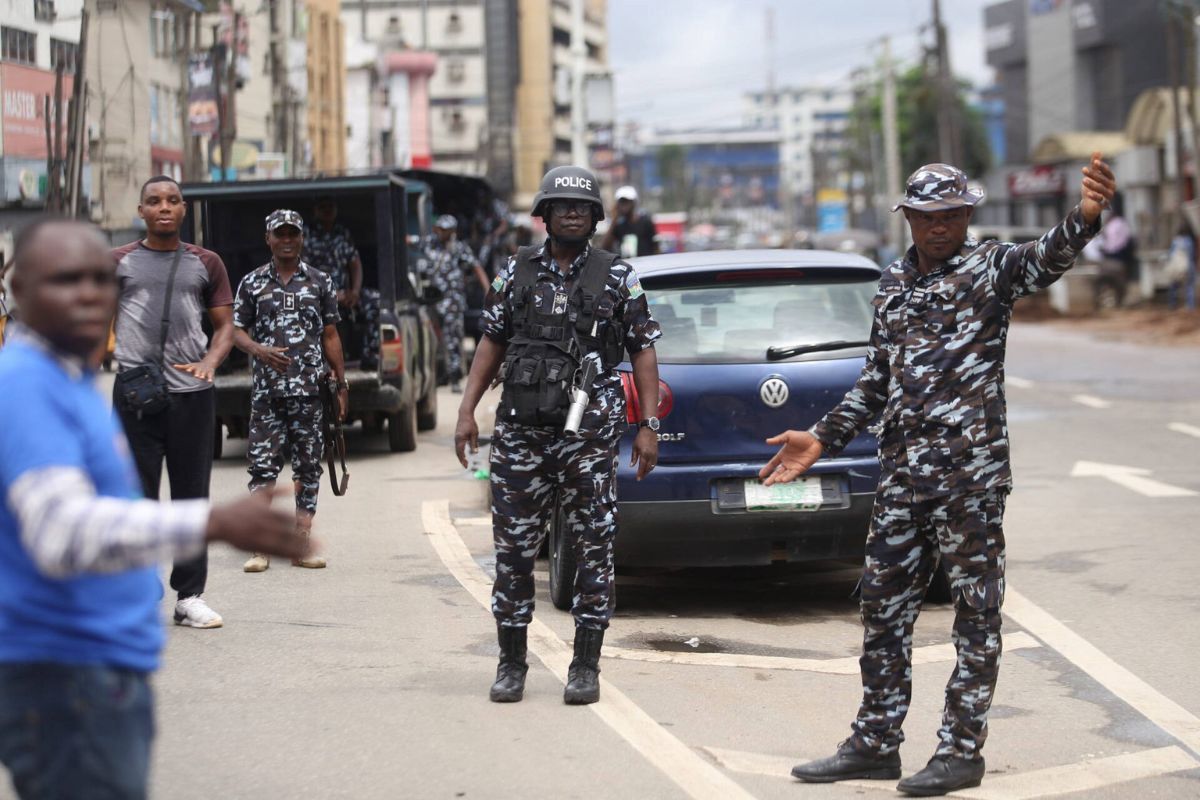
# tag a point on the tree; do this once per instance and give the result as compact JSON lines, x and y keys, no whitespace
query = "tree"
{"x":916,"y":113}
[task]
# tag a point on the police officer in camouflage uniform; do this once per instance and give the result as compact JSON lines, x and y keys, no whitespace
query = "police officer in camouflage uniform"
{"x":329,"y":247}
{"x":935,"y":376}
{"x":551,"y":312}
{"x":448,"y":261}
{"x":285,"y":317}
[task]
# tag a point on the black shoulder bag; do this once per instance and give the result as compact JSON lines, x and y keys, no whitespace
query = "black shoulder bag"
{"x":143,"y":389}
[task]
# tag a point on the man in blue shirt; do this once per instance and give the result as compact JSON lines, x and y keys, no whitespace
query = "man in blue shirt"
{"x":79,"y":590}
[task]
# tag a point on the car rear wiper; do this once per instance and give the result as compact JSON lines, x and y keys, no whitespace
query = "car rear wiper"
{"x":780,"y":353}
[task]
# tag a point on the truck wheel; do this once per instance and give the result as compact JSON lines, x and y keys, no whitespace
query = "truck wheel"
{"x":218,"y":441}
{"x":562,"y":562}
{"x":402,"y":430}
{"x":427,"y":410}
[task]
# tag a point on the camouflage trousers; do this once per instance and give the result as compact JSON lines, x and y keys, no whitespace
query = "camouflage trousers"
{"x":367,"y":315}
{"x":294,"y":423}
{"x":902,"y":551}
{"x":451,"y":311}
{"x":531,"y":467}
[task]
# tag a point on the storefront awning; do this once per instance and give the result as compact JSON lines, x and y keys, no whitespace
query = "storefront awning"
{"x":1078,"y":146}
{"x":1151,"y":119}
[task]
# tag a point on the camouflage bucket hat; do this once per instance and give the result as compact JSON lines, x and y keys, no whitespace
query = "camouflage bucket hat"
{"x":284,"y":216}
{"x":937,"y":187}
{"x":447,"y":221}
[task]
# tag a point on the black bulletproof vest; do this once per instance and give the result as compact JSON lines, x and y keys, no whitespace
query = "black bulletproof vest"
{"x":553,"y":328}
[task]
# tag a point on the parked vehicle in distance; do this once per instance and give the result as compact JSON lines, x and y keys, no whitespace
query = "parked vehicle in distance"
{"x":724,"y":390}
{"x":402,"y":389}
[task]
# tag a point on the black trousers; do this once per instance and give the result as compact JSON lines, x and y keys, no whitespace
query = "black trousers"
{"x":182,"y":435}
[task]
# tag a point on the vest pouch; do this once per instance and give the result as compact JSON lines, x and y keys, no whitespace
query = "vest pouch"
{"x":536,"y":389}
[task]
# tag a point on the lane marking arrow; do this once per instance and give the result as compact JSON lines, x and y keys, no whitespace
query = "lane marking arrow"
{"x":1183,"y":427}
{"x":1132,"y":478}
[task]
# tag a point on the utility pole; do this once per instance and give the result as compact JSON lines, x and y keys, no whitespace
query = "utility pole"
{"x":1173,"y":69}
{"x":76,"y":145}
{"x":891,"y":150}
{"x":579,"y":152}
{"x":949,"y":145}
{"x":185,"y":135}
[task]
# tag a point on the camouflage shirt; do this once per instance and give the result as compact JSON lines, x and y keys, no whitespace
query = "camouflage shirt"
{"x":449,"y":264}
{"x":935,"y":362}
{"x":331,"y":252}
{"x":292,"y":316}
{"x":605,"y":413}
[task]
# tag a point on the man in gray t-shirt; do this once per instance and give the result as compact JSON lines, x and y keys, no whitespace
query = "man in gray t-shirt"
{"x":181,"y":435}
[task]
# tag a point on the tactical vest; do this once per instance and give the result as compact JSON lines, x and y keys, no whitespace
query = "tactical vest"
{"x":553,"y":329}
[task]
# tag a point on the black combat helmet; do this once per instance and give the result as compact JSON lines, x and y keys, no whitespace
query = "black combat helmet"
{"x":568,"y":183}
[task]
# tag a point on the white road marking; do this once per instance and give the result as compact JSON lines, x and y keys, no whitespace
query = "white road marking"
{"x":694,"y":775}
{"x":1091,"y":401}
{"x":1145,"y":699}
{"x":1019,"y":383}
{"x":1183,"y":427}
{"x":929,"y":654}
{"x":474,"y":522}
{"x":1079,"y":777}
{"x":1132,"y":478}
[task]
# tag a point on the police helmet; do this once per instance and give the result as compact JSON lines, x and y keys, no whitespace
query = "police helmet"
{"x":568,"y":183}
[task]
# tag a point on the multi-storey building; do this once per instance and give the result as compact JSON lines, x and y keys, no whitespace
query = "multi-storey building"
{"x":326,"y":85}
{"x":35,"y":38}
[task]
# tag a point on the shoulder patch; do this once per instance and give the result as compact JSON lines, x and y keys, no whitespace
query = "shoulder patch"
{"x":499,"y":283}
{"x":634,"y":285}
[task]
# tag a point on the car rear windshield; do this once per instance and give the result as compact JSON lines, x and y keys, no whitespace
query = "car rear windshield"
{"x":726,"y":322}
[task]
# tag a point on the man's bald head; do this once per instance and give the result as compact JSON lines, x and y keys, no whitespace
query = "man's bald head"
{"x":65,"y":283}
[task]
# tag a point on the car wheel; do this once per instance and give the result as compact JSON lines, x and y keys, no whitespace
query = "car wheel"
{"x":402,"y":430}
{"x":939,"y":586}
{"x":562,"y":562}
{"x":427,"y":411}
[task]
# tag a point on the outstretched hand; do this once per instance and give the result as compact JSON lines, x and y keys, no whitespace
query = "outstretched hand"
{"x":798,"y":451}
{"x":1098,"y":188}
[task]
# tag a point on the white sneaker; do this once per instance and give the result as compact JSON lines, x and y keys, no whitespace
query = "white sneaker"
{"x":193,"y":612}
{"x":256,"y":563}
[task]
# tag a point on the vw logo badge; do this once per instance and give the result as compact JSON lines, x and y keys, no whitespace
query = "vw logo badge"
{"x":774,"y":391}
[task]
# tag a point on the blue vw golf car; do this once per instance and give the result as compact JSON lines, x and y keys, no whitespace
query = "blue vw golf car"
{"x":754,"y":342}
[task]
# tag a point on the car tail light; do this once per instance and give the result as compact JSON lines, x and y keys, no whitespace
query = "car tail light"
{"x":391,"y":350}
{"x":633,"y":408}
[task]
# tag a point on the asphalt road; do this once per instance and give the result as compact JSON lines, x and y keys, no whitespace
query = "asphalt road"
{"x":369,"y":679}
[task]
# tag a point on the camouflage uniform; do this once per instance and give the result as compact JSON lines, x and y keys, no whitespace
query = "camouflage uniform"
{"x":448,"y":266}
{"x":285,"y":407}
{"x":331,"y":252}
{"x":935,"y":374}
{"x":531,"y":465}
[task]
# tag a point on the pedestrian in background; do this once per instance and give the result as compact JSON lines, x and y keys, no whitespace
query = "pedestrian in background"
{"x":285,"y":318}
{"x":935,"y":371}
{"x":550,"y":312}
{"x":449,"y":261}
{"x":1181,"y":269}
{"x":632,"y":233}
{"x":329,"y":247}
{"x":79,"y":588}
{"x":167,"y":287}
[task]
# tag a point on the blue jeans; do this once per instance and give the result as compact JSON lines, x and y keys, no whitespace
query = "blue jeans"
{"x":75,"y":731}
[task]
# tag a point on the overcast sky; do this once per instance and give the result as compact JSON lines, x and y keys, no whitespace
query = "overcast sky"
{"x":687,"y":62}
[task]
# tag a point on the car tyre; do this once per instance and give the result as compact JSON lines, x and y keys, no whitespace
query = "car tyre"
{"x":562,"y":562}
{"x":402,"y":430}
{"x":427,"y":412}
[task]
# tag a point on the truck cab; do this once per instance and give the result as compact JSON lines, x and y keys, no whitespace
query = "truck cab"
{"x":401,"y":391}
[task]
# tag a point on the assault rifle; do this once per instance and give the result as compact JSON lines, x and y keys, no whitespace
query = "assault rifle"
{"x":334,"y":433}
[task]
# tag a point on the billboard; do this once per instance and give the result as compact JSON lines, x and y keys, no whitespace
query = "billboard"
{"x":23,"y":124}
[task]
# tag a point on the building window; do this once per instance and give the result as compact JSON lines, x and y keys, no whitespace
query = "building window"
{"x":18,"y":46}
{"x":456,"y":70}
{"x":65,"y":53}
{"x":43,"y":10}
{"x":163,"y":39}
{"x":454,"y":23}
{"x":393,"y":26}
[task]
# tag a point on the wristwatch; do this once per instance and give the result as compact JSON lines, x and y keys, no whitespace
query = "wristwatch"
{"x":649,"y":422}
{"x":344,"y":384}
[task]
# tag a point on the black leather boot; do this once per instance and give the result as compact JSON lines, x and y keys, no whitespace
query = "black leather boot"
{"x":510,"y":675}
{"x":942,"y":775}
{"x":583,"y":677}
{"x":849,"y":764}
